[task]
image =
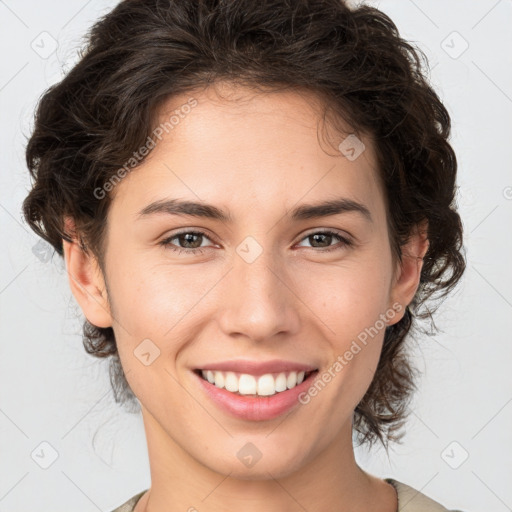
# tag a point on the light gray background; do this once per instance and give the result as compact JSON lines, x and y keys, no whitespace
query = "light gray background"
{"x":52,"y":392}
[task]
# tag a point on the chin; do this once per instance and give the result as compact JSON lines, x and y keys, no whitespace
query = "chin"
{"x":255,"y":460}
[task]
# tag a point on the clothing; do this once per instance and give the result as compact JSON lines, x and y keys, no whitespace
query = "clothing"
{"x":130,"y":504}
{"x":409,"y":500}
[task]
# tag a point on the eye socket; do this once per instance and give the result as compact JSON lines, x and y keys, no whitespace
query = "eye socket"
{"x":184,"y":235}
{"x":167,"y":242}
{"x":329,"y":234}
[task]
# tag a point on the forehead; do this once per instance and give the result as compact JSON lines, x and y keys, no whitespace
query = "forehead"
{"x":239,"y":147}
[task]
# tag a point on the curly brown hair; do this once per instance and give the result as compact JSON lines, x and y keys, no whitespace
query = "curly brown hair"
{"x":145,"y":51}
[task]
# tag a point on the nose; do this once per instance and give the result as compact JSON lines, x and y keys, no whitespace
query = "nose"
{"x":259,"y":300}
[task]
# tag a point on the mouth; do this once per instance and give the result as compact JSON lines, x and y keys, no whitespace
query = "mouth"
{"x":245,"y":384}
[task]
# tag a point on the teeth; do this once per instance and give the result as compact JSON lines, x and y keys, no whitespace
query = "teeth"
{"x":266,"y":385}
{"x":245,"y":384}
{"x":231,"y":382}
{"x":219,"y":379}
{"x":281,"y":382}
{"x":291,"y":381}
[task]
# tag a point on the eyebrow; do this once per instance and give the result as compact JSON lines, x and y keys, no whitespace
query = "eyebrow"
{"x":302,"y":212}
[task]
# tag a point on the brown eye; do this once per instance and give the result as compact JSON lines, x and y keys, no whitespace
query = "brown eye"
{"x":187,"y":242}
{"x":191,"y":240}
{"x":324,"y":239}
{"x":321,"y":238}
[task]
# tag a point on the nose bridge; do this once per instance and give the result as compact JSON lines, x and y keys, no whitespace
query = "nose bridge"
{"x":258,"y":303}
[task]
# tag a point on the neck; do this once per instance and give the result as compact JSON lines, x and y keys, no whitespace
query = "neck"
{"x":331,"y":480}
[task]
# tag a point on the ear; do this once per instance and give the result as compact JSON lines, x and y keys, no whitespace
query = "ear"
{"x":408,"y":272}
{"x":86,"y":279}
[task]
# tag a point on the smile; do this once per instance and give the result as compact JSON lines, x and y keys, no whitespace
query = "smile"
{"x":268,"y":392}
{"x":263,"y":385}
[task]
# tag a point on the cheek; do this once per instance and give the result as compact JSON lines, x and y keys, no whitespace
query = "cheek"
{"x":349,"y":300}
{"x":349,"y":297}
{"x":153,"y":300}
{"x":153,"y":308}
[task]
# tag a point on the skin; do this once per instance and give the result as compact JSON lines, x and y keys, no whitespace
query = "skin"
{"x":257,"y":158}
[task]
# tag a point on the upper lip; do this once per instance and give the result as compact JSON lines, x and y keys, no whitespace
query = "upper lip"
{"x":258,"y":367}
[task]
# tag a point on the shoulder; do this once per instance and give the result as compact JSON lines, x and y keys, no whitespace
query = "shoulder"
{"x":412,"y":500}
{"x":130,"y":504}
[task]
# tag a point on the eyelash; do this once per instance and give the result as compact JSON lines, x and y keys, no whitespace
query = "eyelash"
{"x":167,"y":242}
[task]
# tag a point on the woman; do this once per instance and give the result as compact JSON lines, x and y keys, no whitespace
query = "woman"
{"x":254,"y":201}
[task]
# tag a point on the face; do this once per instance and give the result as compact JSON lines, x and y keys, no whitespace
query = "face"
{"x":265,"y":293}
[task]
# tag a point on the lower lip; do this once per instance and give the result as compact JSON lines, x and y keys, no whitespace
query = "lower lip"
{"x":255,"y":408}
